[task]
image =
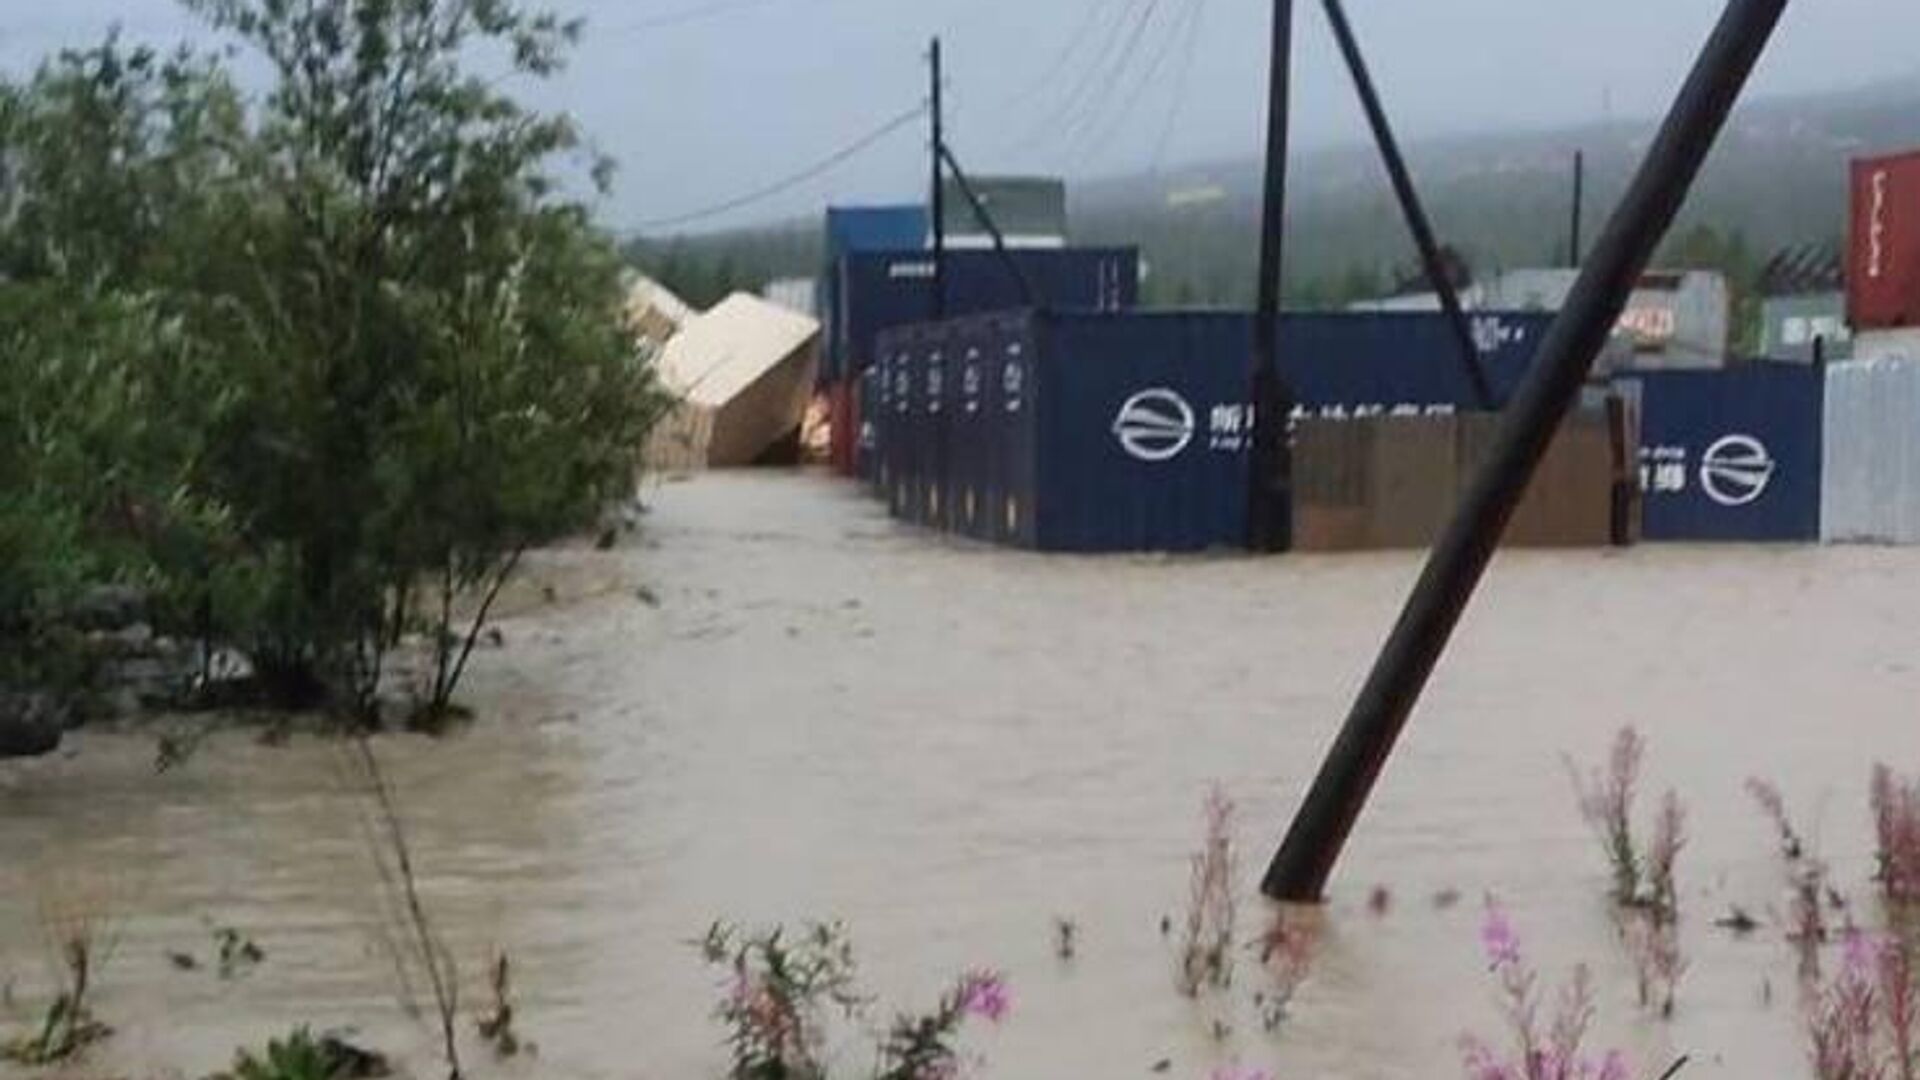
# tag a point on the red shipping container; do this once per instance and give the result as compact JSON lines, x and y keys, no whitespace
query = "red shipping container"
{"x":844,"y":428}
{"x":1883,"y":265}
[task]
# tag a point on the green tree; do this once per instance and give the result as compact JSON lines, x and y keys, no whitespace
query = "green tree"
{"x":350,"y":350}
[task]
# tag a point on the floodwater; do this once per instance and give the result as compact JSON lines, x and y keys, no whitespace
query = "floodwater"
{"x":829,"y":715}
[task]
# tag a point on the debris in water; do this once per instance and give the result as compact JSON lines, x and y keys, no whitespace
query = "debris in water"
{"x":1737,"y":920}
{"x":1446,"y":898}
{"x":238,"y":952}
{"x":183,"y":961}
{"x":647,"y":596}
{"x":1379,"y":901}
{"x":1064,"y":932}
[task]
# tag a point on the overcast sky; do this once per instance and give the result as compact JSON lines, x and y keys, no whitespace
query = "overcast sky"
{"x":703,"y":100}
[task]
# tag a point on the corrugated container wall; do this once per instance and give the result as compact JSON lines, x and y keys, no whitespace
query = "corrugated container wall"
{"x":1730,"y":455}
{"x":876,"y":291}
{"x":1340,"y":363}
{"x":1129,"y":432}
{"x":1871,"y":490}
{"x":1883,"y":259}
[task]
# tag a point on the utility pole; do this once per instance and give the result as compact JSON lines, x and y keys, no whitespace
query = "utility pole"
{"x":1270,"y":472}
{"x":1579,"y":200}
{"x":1326,"y":818}
{"x":937,"y":204}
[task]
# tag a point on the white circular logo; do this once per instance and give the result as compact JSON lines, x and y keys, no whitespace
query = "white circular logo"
{"x":1154,"y":425}
{"x":1736,"y":470}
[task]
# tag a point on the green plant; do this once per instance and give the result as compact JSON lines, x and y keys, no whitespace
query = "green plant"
{"x":303,"y":1056}
{"x":69,"y":1026}
{"x":922,"y":1047}
{"x":1206,"y":954}
{"x":417,"y":943}
{"x":496,"y":1027}
{"x":778,"y":993}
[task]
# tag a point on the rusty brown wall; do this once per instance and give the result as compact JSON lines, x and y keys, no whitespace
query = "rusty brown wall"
{"x":1393,"y":482}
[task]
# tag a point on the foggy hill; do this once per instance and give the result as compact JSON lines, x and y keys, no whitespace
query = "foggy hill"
{"x":1778,"y":177}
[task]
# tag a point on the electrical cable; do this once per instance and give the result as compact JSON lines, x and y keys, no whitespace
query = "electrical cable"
{"x":794,"y":180}
{"x":1181,"y":87}
{"x":1063,"y":57}
{"x":1051,"y":125}
{"x":1100,"y":138}
{"x":682,"y":16}
{"x":1099,"y":107}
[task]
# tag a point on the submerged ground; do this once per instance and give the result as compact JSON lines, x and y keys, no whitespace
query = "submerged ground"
{"x":814,"y":712}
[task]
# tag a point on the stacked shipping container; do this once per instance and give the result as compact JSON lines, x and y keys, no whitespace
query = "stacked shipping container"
{"x":1883,"y":272}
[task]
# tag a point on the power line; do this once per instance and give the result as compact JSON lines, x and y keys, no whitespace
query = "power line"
{"x":1082,"y":33}
{"x":1098,"y":138}
{"x":693,"y":14}
{"x":1181,"y":86}
{"x":787,"y":183}
{"x":1052,"y":125}
{"x":1100,"y":103}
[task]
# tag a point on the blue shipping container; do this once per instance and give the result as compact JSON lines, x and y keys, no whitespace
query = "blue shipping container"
{"x":899,"y":439}
{"x":1108,"y":434}
{"x":1340,"y":364}
{"x":875,"y":228}
{"x":870,"y":387}
{"x":968,"y":438}
{"x":854,"y":229}
{"x":874,"y":291}
{"x":1730,"y":455}
{"x":1084,"y":431}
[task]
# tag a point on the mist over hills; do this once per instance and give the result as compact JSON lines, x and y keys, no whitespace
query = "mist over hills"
{"x":1777,"y":178}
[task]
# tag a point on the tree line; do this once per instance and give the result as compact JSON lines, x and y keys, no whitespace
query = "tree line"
{"x":310,"y":367}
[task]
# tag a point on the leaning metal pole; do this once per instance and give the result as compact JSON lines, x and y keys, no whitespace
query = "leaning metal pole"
{"x":1300,"y":870}
{"x":980,"y":214}
{"x":1410,"y":206}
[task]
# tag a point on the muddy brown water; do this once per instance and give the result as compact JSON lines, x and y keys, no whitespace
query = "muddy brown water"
{"x":949,"y":746}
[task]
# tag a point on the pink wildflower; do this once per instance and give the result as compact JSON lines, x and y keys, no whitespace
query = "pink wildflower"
{"x":1497,"y":938}
{"x":1480,"y":1063}
{"x":1858,"y":957}
{"x":985,"y":995}
{"x":1612,"y":1067}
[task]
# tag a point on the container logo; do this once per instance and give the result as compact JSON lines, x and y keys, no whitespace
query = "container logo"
{"x":1154,"y":425}
{"x":1736,"y":470}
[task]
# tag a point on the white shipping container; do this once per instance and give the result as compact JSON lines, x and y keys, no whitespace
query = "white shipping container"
{"x":1870,"y":470}
{"x":1887,"y":344}
{"x":799,"y":295}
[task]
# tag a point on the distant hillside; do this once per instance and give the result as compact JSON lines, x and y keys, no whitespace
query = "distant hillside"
{"x":1778,"y":177}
